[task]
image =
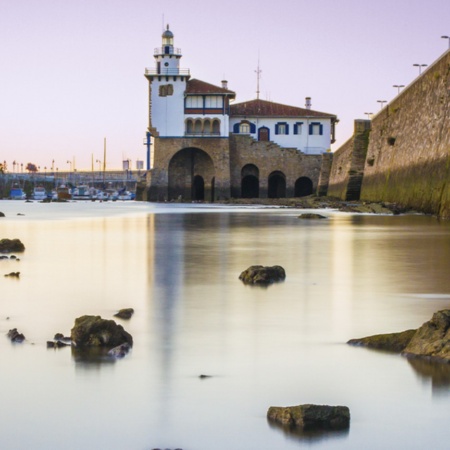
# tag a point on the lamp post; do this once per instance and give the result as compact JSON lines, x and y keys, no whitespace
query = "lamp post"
{"x":398,"y":86}
{"x":420,"y":67}
{"x":382,"y":102}
{"x":448,"y":38}
{"x":368,"y":114}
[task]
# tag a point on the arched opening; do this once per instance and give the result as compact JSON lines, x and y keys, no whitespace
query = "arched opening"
{"x":216,"y":127}
{"x":198,"y":188}
{"x":250,"y":181}
{"x":277,"y":185}
{"x":190,"y":172}
{"x":303,"y":187}
{"x":207,"y":127}
{"x":263,"y":134}
{"x":189,"y":126}
{"x":198,"y":127}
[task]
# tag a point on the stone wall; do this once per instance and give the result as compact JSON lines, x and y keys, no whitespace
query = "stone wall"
{"x":408,"y":158}
{"x":347,"y":169}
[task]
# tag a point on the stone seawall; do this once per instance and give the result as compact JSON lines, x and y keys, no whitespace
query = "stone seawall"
{"x":408,"y":156}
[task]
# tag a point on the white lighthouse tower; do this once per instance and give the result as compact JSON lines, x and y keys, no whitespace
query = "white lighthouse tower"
{"x":167,"y":84}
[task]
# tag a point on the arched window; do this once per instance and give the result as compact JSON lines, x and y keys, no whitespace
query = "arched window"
{"x":207,"y":127}
{"x":189,"y":126}
{"x":198,"y":127}
{"x":216,"y":127}
{"x":244,"y":128}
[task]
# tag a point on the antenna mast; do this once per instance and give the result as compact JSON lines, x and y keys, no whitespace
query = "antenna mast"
{"x":258,"y":77}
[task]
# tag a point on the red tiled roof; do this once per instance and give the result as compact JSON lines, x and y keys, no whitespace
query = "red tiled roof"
{"x":200,"y":87}
{"x":265,"y":108}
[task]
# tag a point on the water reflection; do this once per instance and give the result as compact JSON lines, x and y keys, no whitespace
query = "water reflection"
{"x":437,"y":373}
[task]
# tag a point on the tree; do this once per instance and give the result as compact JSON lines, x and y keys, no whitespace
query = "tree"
{"x":31,"y":167}
{"x":2,"y":169}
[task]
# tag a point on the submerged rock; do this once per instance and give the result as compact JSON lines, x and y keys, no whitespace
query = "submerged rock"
{"x":311,"y":417}
{"x":311,"y":216}
{"x":124,"y":313}
{"x":262,"y":274}
{"x":15,"y":336}
{"x":93,"y":331}
{"x":11,"y":245}
{"x":13,"y":274}
{"x":391,"y":342}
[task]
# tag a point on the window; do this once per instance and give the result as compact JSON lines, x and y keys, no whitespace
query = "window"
{"x":281,"y":128}
{"x":298,"y":127}
{"x":215,"y":101}
{"x":194,"y":101}
{"x":316,"y":129}
{"x":165,"y":90}
{"x":244,"y":128}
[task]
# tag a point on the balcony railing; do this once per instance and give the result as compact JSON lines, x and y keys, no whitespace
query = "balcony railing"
{"x":167,"y":50}
{"x":167,"y":71}
{"x":200,"y":134}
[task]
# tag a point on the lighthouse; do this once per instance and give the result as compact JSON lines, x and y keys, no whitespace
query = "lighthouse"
{"x":167,"y":84}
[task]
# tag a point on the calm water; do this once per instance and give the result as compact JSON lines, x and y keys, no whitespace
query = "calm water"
{"x":178,"y":267}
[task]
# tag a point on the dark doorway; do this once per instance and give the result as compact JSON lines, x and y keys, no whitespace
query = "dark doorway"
{"x":263,"y":134}
{"x":277,"y":185}
{"x":250,"y":187}
{"x":198,"y":188}
{"x":303,"y":187}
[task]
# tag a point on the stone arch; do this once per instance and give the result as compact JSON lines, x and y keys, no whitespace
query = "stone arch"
{"x":250,"y":181}
{"x":277,"y":185}
{"x":189,"y":170}
{"x":303,"y":187}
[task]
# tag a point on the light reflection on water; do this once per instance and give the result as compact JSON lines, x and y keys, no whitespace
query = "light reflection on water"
{"x":178,"y":267}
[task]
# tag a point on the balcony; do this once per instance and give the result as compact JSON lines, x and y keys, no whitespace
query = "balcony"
{"x":167,"y":50}
{"x":167,"y":71}
{"x":200,"y":134}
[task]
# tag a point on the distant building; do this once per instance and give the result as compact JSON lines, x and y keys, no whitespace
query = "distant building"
{"x":206,"y":147}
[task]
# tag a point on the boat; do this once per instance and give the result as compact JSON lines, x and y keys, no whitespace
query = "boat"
{"x":81,"y":192}
{"x":63,"y":192}
{"x":39,"y":193}
{"x":16,"y":193}
{"x":112,"y":194}
{"x":123,"y":194}
{"x":102,"y":196}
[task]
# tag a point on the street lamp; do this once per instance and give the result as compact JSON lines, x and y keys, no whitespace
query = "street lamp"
{"x":382,"y":102}
{"x":369,"y":115}
{"x":398,"y":86}
{"x":447,"y":37}
{"x":420,"y":67}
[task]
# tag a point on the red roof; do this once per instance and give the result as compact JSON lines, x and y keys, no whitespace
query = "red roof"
{"x":264,"y":108}
{"x":200,"y":87}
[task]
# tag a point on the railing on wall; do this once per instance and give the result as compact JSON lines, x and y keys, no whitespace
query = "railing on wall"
{"x":163,"y":71}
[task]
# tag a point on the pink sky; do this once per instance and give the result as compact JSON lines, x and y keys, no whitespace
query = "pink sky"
{"x":72,"y":70}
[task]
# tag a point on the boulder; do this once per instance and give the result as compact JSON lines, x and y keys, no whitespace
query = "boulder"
{"x":391,"y":342}
{"x":120,"y":351}
{"x":311,"y":216}
{"x":11,"y":245}
{"x":93,"y":331}
{"x":13,"y":274}
{"x":2,"y":214}
{"x":432,"y":339}
{"x":125,"y":313}
{"x":262,"y":274}
{"x":15,"y":336}
{"x":310,"y":417}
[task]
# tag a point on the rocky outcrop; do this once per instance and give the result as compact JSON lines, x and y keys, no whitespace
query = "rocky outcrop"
{"x":11,"y":245}
{"x":311,"y":216}
{"x":93,"y":331}
{"x":262,"y":275}
{"x":13,"y":274}
{"x":15,"y":336}
{"x":59,"y":341}
{"x":431,"y":341}
{"x":392,"y":342}
{"x":125,"y":313}
{"x":310,"y":417}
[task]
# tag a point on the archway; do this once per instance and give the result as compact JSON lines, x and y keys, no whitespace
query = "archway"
{"x":277,"y":185}
{"x":188,"y":170}
{"x":303,"y":187}
{"x":250,"y":181}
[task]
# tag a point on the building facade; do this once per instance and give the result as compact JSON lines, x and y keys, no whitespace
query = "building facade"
{"x":206,"y":147}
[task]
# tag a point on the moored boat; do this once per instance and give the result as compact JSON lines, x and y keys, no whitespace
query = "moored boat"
{"x":39,"y":193}
{"x":17,"y":193}
{"x":63,"y":192}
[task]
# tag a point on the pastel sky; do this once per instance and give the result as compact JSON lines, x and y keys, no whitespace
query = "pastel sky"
{"x":72,"y":70}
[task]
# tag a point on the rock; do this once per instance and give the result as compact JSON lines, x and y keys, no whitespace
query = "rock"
{"x":2,"y":214}
{"x":202,"y":376}
{"x":57,"y":344}
{"x":310,"y":417}
{"x":15,"y":336}
{"x":93,"y":331}
{"x":125,"y":313}
{"x":120,"y":351}
{"x":392,"y":342}
{"x":311,"y":216}
{"x":262,"y":274}
{"x":11,"y":245}
{"x":13,"y":274}
{"x":432,"y":339}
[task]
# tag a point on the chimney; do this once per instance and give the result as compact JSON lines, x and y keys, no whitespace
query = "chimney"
{"x":308,"y":102}
{"x":225,"y":84}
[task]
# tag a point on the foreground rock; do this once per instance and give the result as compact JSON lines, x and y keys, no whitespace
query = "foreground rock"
{"x":311,"y":417}
{"x":15,"y":336}
{"x":262,"y":274}
{"x":125,"y":313}
{"x":93,"y":331}
{"x":431,"y":341}
{"x":11,"y":245}
{"x":392,"y":342}
{"x":2,"y":214}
